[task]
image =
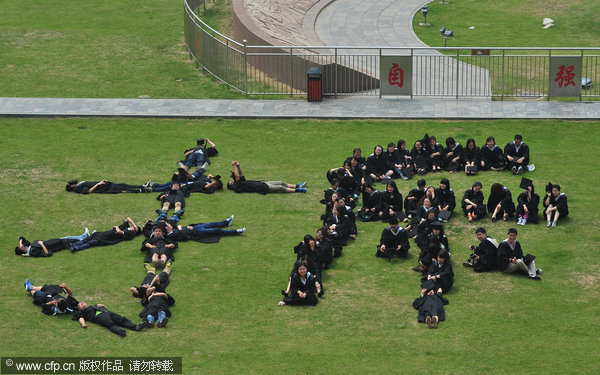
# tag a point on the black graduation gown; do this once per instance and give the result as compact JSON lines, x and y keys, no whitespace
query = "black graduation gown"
{"x":532,"y":204}
{"x":476,"y":198}
{"x":84,"y":187}
{"x":446,"y":275}
{"x":445,"y":198}
{"x":472,"y":156}
{"x":173,"y":196}
{"x":488,"y":254}
{"x":457,"y":151}
{"x":505,"y":200}
{"x":506,"y":253}
{"x":394,"y":203}
{"x":160,"y":249}
{"x":438,"y":160}
{"x":430,"y":305}
{"x":198,"y":186}
{"x":55,"y":292}
{"x":250,"y":186}
{"x":420,"y":158}
{"x":561,"y":203}
{"x":309,"y":288}
{"x":377,"y":165}
{"x":391,"y":241}
{"x":186,"y":234}
{"x":156,"y":304}
{"x":111,"y":237}
{"x":511,"y":150}
{"x":372,"y":200}
{"x":52,"y":245}
{"x":411,"y":205}
{"x":493,"y":157}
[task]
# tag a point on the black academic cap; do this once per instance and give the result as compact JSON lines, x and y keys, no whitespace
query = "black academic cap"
{"x":72,"y":182}
{"x":428,"y":285}
{"x":525,"y":183}
{"x":200,"y":141}
{"x":175,"y":178}
{"x":549,"y":187}
{"x":437,"y":224}
{"x":444,"y":254}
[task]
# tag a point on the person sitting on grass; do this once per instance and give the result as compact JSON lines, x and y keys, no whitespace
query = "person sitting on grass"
{"x":411,"y":202}
{"x":441,"y":273}
{"x":445,"y":199}
{"x":511,"y":259}
{"x":100,"y":314}
{"x":124,"y":232}
{"x":556,"y":206}
{"x":435,"y":154}
{"x":471,"y":157}
{"x":393,"y":241}
{"x":472,"y":203}
{"x":46,"y":248}
{"x":377,"y":165}
{"x":492,"y":156}
{"x":430,"y":305}
{"x":500,"y":202}
{"x":304,"y":288}
{"x":528,"y":203}
{"x":371,"y":199}
{"x":239,"y":184}
{"x":391,"y":203}
{"x":453,"y":154}
{"x":51,"y":299}
{"x":516,"y":154}
{"x":483,"y":257}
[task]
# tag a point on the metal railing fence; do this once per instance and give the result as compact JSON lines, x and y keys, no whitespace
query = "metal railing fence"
{"x":354,"y":70}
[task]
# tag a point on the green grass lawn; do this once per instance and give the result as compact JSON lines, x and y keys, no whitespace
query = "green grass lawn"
{"x":99,"y":49}
{"x":511,"y":23}
{"x":226,"y":319}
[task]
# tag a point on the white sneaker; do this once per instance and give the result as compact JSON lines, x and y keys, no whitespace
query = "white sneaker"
{"x":280,"y":303}
{"x":87,"y":231}
{"x":240,"y":231}
{"x":520,"y":221}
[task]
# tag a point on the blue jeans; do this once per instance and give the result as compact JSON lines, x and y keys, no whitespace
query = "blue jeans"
{"x":161,"y":315}
{"x":212,"y":228}
{"x":78,"y":238}
{"x":82,"y":245}
{"x":196,"y":158}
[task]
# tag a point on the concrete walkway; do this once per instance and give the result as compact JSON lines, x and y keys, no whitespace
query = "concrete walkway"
{"x":330,"y":108}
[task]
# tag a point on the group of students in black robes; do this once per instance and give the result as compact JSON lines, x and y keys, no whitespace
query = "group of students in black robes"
{"x":506,"y":256}
{"x":161,"y":237}
{"x":428,"y":155}
{"x":500,"y":203}
{"x":316,"y":254}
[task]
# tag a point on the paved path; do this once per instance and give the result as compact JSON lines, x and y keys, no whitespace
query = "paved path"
{"x":389,"y":23}
{"x":369,"y":23}
{"x":330,"y":108}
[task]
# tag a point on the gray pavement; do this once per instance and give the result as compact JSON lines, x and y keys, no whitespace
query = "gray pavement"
{"x":329,"y":108}
{"x":388,"y":23}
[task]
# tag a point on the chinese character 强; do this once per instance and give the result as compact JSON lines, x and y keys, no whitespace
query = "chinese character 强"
{"x":565,"y":76}
{"x":396,"y":75}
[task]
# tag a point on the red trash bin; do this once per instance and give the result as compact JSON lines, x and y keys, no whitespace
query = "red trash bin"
{"x":314,"y":86}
